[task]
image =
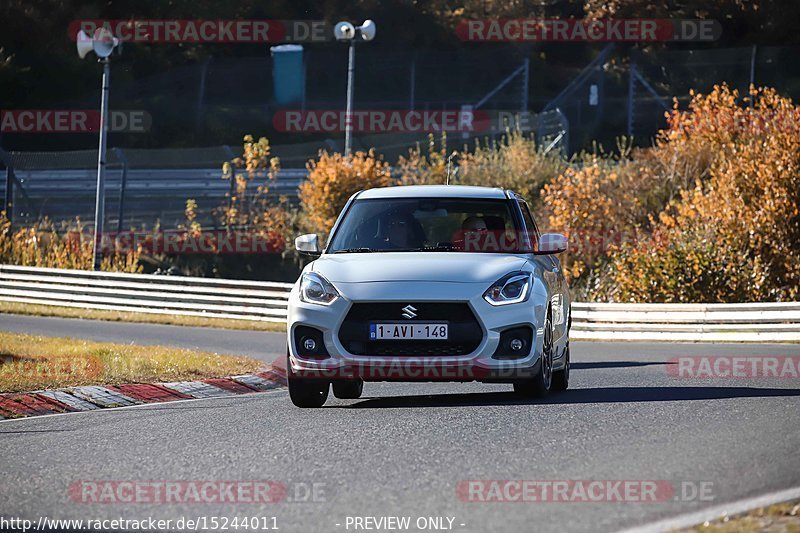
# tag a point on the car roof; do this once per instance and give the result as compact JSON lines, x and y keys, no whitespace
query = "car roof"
{"x":434,"y":191}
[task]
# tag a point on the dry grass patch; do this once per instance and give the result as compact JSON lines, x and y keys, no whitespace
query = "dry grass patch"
{"x":142,"y":318}
{"x":31,"y":362}
{"x":781,"y":517}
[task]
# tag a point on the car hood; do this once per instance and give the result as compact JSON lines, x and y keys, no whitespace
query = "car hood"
{"x":410,"y":266}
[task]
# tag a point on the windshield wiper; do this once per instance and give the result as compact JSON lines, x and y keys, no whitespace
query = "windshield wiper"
{"x":437,"y":248}
{"x":354,"y":251}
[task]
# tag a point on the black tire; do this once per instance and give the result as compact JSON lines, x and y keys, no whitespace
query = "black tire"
{"x":561,"y":377}
{"x":305,"y":392}
{"x":308,"y":392}
{"x":348,"y":389}
{"x":539,"y":386}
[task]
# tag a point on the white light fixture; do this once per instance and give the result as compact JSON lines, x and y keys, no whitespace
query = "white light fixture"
{"x":368,"y":30}
{"x":344,"y":31}
{"x":84,"y":43}
{"x":102,"y":43}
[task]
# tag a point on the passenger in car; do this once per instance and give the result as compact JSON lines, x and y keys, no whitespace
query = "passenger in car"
{"x":474,"y":223}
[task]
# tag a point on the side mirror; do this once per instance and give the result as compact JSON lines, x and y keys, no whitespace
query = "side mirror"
{"x":552,"y":243}
{"x":308,"y":244}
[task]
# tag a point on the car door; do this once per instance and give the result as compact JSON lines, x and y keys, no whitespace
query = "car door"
{"x":554,"y":278}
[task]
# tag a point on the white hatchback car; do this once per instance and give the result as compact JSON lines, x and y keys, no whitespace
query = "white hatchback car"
{"x":429,"y":283}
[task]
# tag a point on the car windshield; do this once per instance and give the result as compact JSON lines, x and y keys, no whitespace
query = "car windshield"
{"x":427,"y":224}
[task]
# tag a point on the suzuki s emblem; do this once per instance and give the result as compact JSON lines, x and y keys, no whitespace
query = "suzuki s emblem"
{"x":409,"y":311}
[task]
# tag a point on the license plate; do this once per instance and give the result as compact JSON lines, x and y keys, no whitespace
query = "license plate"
{"x":407,"y":331}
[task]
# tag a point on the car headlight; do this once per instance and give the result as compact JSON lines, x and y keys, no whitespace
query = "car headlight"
{"x":510,"y":289}
{"x":317,"y":290}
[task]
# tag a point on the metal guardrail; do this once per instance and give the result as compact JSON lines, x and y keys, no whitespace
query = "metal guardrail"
{"x":748,"y":322}
{"x":267,"y":301}
{"x":143,"y":293}
{"x":150,"y":194}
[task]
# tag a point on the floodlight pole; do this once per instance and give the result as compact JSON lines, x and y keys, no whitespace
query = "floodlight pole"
{"x":347,"y":32}
{"x":348,"y":117}
{"x":99,"y":205}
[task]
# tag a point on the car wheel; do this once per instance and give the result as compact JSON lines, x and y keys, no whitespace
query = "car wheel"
{"x":306,"y":392}
{"x":539,"y":386}
{"x":348,"y":389}
{"x":561,"y":378}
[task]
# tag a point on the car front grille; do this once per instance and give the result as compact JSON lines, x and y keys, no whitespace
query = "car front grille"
{"x":464,"y":337}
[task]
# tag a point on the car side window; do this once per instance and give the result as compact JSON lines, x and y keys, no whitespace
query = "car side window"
{"x":530,"y":225}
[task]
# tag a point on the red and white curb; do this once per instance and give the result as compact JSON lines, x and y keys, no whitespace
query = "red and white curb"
{"x":90,"y":397}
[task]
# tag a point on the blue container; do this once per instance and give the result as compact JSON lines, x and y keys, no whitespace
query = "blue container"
{"x":288,"y":76}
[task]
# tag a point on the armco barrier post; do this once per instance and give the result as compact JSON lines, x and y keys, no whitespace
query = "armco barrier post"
{"x":8,"y":202}
{"x":123,"y":183}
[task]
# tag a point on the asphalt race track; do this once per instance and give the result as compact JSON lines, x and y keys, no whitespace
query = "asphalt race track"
{"x":402,"y":449}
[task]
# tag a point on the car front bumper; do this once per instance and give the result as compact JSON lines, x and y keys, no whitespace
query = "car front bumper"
{"x":479,"y":365}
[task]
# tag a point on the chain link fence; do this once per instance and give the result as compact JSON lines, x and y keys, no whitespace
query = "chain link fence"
{"x":143,"y":187}
{"x":672,"y":74}
{"x":628,"y":92}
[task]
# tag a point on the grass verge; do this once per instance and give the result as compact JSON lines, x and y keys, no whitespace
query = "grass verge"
{"x":32,"y":362}
{"x":781,"y":517}
{"x":144,"y":318}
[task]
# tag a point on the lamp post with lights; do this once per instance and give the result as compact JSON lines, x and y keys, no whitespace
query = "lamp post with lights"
{"x":344,"y":31}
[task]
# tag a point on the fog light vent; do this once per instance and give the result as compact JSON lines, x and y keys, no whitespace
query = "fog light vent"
{"x":309,"y":343}
{"x":515,"y":343}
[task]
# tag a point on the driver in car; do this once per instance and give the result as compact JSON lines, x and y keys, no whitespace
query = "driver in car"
{"x":400,"y":232}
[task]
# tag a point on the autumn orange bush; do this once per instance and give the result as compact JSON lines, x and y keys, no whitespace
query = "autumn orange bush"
{"x":708,"y":214}
{"x":601,"y":202}
{"x":332,"y":179}
{"x":735,"y":234}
